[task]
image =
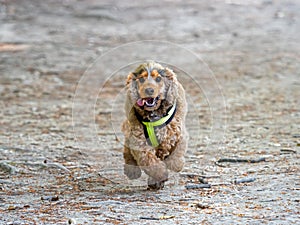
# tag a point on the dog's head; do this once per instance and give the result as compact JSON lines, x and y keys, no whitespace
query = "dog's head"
{"x":151,"y":84}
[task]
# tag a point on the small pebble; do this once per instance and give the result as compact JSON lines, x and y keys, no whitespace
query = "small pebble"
{"x":50,"y":198}
{"x":71,"y":221}
{"x":11,"y":207}
{"x":202,"y":180}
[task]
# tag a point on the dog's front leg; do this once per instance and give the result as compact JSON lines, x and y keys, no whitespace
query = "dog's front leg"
{"x":150,"y":164}
{"x":175,"y":161}
{"x":131,"y":169}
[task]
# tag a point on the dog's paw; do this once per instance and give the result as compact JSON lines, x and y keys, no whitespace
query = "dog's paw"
{"x":158,"y":171}
{"x":154,"y":184}
{"x":132,"y":172}
{"x":175,"y":164}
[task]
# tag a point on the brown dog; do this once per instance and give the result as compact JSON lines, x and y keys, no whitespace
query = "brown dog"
{"x":155,"y":134}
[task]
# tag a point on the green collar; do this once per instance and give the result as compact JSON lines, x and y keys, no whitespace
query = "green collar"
{"x":150,"y":126}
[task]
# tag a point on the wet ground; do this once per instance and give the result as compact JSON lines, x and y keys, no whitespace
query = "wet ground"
{"x":60,"y":143}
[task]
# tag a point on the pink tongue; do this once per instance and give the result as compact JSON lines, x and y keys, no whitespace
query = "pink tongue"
{"x":140,"y":102}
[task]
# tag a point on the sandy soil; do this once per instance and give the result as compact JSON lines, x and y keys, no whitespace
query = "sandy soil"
{"x":60,"y":139}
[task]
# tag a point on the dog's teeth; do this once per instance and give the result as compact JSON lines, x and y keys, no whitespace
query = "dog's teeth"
{"x":151,"y":103}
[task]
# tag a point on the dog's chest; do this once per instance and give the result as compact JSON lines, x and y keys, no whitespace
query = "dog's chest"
{"x":168,"y":136}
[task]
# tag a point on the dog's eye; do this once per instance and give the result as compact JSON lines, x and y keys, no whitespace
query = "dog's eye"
{"x":158,"y":79}
{"x":161,"y":72}
{"x":142,"y":79}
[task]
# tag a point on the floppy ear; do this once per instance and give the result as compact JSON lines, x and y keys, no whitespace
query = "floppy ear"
{"x":132,"y":92}
{"x":171,"y":86}
{"x":130,"y":78}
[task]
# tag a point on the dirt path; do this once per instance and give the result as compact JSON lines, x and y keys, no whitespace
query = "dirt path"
{"x":57,"y":166}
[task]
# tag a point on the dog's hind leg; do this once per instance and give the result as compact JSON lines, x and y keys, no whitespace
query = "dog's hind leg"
{"x":154,"y":184}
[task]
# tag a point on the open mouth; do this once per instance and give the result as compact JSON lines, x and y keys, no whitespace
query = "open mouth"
{"x":149,"y":102}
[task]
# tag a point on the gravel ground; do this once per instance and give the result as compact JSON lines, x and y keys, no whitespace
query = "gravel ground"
{"x":62,"y":72}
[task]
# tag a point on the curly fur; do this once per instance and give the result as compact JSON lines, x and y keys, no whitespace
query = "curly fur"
{"x":138,"y":155}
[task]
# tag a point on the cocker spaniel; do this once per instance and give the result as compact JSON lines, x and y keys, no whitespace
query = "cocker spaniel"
{"x":155,"y":134}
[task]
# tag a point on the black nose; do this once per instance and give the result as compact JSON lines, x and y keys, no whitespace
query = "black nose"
{"x":149,"y":91}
